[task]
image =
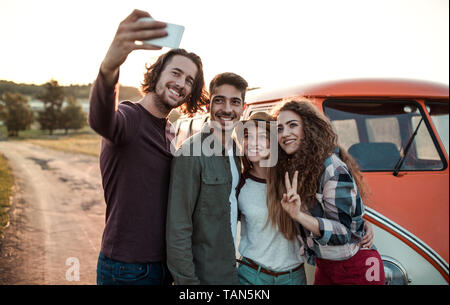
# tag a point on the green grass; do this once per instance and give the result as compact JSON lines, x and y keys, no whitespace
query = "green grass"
{"x":6,"y":184}
{"x":88,"y":144}
{"x":84,"y":141}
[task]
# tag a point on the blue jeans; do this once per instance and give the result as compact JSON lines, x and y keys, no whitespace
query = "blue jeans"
{"x":112,"y":272}
{"x":250,"y":276}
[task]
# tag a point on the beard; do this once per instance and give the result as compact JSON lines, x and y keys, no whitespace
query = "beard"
{"x":163,"y":104}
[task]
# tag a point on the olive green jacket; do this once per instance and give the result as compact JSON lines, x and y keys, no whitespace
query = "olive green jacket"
{"x":200,"y":246}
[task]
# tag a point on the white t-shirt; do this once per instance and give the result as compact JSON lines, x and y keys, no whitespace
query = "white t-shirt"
{"x":233,"y":201}
{"x":263,"y":244}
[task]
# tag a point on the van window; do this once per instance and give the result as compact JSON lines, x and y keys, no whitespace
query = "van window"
{"x":423,"y":143}
{"x":347,"y":127}
{"x":376,"y":134}
{"x":384,"y":129}
{"x":439,"y":114}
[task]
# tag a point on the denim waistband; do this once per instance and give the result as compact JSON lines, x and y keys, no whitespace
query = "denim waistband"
{"x":108,"y":259}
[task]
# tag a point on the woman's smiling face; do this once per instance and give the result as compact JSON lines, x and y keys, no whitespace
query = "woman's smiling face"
{"x":290,"y":131}
{"x":256,"y":143}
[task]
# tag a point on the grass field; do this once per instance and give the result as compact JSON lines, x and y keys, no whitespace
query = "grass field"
{"x":88,"y":144}
{"x":84,"y":141}
{"x":6,"y":183}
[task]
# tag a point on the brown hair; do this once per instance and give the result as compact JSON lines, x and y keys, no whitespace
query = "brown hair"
{"x":228,"y":78}
{"x":199,"y":96}
{"x":319,"y":143}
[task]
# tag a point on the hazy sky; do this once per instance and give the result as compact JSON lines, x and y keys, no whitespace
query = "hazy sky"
{"x":270,"y":43}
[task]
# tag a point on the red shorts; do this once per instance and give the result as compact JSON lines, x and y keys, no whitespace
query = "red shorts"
{"x":364,"y":268}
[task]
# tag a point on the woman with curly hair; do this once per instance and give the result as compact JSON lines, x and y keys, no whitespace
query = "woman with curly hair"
{"x":268,"y":257}
{"x":323,"y":203}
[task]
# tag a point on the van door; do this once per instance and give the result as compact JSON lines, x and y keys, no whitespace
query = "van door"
{"x":405,"y":167}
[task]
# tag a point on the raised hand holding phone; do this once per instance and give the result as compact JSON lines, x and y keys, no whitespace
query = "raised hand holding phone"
{"x":124,"y":42}
{"x":173,"y":38}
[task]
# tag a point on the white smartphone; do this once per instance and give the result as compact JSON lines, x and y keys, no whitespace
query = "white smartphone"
{"x":173,"y":38}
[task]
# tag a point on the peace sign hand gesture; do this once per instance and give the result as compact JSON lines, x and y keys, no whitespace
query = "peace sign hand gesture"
{"x":291,"y":202}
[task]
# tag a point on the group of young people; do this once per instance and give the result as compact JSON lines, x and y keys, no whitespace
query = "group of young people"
{"x":173,"y":217}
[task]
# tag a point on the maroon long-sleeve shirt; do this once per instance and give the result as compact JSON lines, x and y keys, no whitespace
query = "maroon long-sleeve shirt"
{"x":135,"y":166}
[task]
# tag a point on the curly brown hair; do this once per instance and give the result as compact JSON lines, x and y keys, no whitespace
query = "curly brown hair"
{"x":199,"y":95}
{"x":318,"y":143}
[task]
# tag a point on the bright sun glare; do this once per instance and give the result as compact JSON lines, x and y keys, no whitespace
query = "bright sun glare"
{"x":270,"y":43}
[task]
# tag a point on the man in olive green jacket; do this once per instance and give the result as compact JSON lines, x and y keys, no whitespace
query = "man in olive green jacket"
{"x":202,"y":208}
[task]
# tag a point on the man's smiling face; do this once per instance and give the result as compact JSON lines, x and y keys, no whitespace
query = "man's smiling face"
{"x":176,"y":81}
{"x":226,"y":106}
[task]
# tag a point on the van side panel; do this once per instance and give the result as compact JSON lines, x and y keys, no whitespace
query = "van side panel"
{"x":419,"y":201}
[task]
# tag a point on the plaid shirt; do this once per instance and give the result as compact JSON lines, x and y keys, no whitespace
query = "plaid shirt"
{"x":339,"y":210}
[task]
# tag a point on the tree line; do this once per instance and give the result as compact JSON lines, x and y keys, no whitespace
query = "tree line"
{"x":77,"y":91}
{"x":61,"y":109}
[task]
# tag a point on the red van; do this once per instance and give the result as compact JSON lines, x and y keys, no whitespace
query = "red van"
{"x":398,"y":131}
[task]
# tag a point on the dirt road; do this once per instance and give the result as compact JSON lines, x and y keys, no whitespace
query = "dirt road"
{"x":57,"y":217}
